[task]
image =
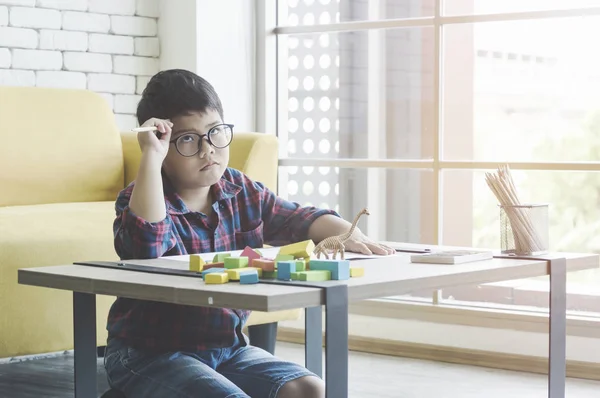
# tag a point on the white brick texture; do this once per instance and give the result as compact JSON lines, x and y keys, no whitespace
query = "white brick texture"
{"x":120,"y":84}
{"x":75,"y":5}
{"x":63,"y":40}
{"x":86,"y":22}
{"x":4,"y":58}
{"x":133,"y":26}
{"x":107,"y":46}
{"x":135,"y":65}
{"x":147,"y":46}
{"x":147,"y":8}
{"x":61,"y":79}
{"x":114,"y":7}
{"x":23,"y":17}
{"x":12,"y":77}
{"x":111,"y":44}
{"x":87,"y":62}
{"x":126,"y":103}
{"x":37,"y":59}
{"x":3,"y":16}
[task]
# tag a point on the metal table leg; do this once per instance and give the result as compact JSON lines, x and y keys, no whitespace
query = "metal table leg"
{"x":336,"y":341}
{"x":313,"y":340}
{"x":557,"y":363}
{"x":84,"y":333}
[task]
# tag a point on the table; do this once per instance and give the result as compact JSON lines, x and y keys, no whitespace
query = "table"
{"x":384,"y":276}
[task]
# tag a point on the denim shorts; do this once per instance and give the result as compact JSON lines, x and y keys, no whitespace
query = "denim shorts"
{"x":233,"y":372}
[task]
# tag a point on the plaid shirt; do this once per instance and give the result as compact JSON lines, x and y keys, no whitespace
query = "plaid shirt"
{"x":245,"y":213}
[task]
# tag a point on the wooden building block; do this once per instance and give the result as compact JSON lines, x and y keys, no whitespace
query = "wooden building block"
{"x":196,"y":263}
{"x":356,"y":272}
{"x":220,"y":257}
{"x":314,"y":276}
{"x":251,"y":254}
{"x":212,"y":271}
{"x":234,"y":273}
{"x":295,"y":276}
{"x":213,"y":265}
{"x":266,"y":265}
{"x":258,"y":270}
{"x":236,"y":262}
{"x":285,"y":269}
{"x":340,"y":269}
{"x":216,"y":278}
{"x":283,"y":257}
{"x":300,"y":265}
{"x":269,"y":274}
{"x":248,"y":278}
{"x":299,"y":249}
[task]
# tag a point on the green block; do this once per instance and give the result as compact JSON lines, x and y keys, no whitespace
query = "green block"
{"x":300,"y":265}
{"x":284,"y":257}
{"x":220,"y":257}
{"x":269,"y":274}
{"x":236,"y":262}
{"x":258,"y":252}
{"x":314,"y":276}
{"x":294,"y":276}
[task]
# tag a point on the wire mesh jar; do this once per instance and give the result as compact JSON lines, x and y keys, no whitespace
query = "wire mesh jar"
{"x":524,"y":229}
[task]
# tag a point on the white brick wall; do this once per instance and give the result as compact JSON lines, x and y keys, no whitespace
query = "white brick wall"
{"x":107,"y":46}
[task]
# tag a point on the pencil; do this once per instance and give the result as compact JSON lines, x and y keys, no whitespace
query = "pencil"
{"x":140,"y":129}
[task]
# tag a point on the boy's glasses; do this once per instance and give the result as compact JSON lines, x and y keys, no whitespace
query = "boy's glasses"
{"x":189,"y":144}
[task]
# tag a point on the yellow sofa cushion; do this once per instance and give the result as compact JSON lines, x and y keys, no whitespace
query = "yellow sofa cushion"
{"x":57,"y":146}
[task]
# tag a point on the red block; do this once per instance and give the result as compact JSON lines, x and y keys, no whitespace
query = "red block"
{"x":266,"y":265}
{"x":251,"y":254}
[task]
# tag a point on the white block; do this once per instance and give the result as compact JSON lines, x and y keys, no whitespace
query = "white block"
{"x":147,"y":8}
{"x":133,"y":26}
{"x":3,"y":16}
{"x":75,"y":5}
{"x":4,"y":58}
{"x":110,"y":99}
{"x":24,"y":3}
{"x":119,"y":84}
{"x":61,"y":79}
{"x":111,"y":44}
{"x":142,"y":82}
{"x":86,"y":22}
{"x":147,"y":46}
{"x":126,"y":103}
{"x":125,"y":122}
{"x":63,"y":40}
{"x":18,"y":37}
{"x":135,"y":65}
{"x":13,"y":77}
{"x":88,"y":62}
{"x":23,"y":17}
{"x":37,"y":59}
{"x":114,"y":7}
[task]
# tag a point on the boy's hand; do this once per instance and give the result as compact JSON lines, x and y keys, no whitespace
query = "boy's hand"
{"x":360,"y":243}
{"x":150,"y":143}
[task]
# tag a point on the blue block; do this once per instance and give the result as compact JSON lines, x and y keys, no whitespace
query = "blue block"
{"x":248,"y":277}
{"x":211,"y":270}
{"x":340,"y":269}
{"x":285,"y":269}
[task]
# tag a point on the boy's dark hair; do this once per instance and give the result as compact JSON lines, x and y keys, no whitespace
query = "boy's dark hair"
{"x":175,"y":92}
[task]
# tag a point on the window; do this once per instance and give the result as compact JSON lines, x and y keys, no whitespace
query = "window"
{"x":403,"y":105}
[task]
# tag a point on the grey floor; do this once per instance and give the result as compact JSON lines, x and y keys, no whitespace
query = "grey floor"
{"x":370,"y":376}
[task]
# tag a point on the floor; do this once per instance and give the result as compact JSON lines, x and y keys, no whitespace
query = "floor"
{"x":370,"y":376}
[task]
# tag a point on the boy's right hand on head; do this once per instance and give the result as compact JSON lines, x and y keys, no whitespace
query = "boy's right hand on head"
{"x":149,"y":141}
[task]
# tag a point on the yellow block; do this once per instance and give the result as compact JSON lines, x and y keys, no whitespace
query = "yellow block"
{"x":234,"y":273}
{"x":216,"y":278}
{"x":355,"y":272}
{"x":196,"y":263}
{"x":299,"y":250}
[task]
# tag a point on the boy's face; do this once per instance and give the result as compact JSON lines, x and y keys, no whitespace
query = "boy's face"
{"x":204,"y":168}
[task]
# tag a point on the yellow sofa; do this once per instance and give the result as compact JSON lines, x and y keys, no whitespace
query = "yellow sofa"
{"x":62,"y":163}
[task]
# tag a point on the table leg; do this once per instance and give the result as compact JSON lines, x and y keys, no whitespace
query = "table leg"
{"x":84,"y":334}
{"x":313,"y":340}
{"x":336,"y":341}
{"x":557,"y":363}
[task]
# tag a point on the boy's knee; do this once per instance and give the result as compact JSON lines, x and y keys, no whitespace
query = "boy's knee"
{"x":304,"y":387}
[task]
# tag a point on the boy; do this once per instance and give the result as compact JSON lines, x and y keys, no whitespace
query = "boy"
{"x":186,"y":200}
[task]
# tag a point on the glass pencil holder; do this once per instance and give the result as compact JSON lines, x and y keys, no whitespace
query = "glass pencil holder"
{"x":524,"y":229}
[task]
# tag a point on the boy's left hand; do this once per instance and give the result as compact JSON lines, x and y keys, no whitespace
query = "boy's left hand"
{"x":360,"y":243}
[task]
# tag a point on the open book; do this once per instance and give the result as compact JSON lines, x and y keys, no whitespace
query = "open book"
{"x":452,"y":257}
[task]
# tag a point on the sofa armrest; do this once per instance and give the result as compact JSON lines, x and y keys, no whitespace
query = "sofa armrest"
{"x":131,"y":155}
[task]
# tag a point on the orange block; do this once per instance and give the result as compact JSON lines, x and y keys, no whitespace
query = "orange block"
{"x":213,"y":265}
{"x":266,"y":265}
